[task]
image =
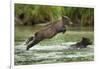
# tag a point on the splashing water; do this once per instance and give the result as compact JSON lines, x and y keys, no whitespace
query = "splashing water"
{"x":51,"y":54}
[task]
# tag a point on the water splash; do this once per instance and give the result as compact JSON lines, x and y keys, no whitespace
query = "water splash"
{"x":49,"y":54}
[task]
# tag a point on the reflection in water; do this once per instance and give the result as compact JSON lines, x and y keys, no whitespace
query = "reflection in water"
{"x":51,"y":54}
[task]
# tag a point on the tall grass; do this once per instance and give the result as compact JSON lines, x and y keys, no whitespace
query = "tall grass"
{"x":83,"y":16}
{"x":38,"y":13}
{"x":43,"y":14}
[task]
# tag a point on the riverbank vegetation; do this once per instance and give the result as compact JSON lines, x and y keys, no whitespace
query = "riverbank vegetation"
{"x":27,"y":14}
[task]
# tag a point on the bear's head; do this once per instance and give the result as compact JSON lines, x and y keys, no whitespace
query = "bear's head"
{"x":86,"y":41}
{"x":66,"y":20}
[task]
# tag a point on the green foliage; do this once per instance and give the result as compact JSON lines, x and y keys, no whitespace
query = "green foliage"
{"x":34,"y":14}
{"x":38,"y":13}
{"x":82,"y":16}
{"x":43,"y":12}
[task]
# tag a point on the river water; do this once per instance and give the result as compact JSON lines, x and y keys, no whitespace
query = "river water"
{"x":51,"y":54}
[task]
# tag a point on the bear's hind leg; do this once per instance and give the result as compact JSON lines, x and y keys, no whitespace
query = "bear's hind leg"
{"x":32,"y":43}
{"x":29,"y":40}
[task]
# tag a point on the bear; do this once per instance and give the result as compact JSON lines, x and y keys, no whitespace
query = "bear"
{"x":82,"y":44}
{"x":49,"y":32}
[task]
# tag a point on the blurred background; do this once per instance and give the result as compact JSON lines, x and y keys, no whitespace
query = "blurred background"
{"x":33,"y":14}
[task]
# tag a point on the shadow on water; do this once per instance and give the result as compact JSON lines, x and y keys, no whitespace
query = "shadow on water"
{"x":51,"y":54}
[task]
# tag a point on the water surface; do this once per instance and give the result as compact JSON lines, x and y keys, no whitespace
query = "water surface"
{"x":41,"y":54}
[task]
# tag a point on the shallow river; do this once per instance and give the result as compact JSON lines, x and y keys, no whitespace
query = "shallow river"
{"x":51,"y":54}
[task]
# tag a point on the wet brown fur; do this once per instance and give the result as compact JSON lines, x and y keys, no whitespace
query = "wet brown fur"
{"x":48,"y":32}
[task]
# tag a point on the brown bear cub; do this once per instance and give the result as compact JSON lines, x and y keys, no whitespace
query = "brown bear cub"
{"x":49,"y":32}
{"x":82,"y":44}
